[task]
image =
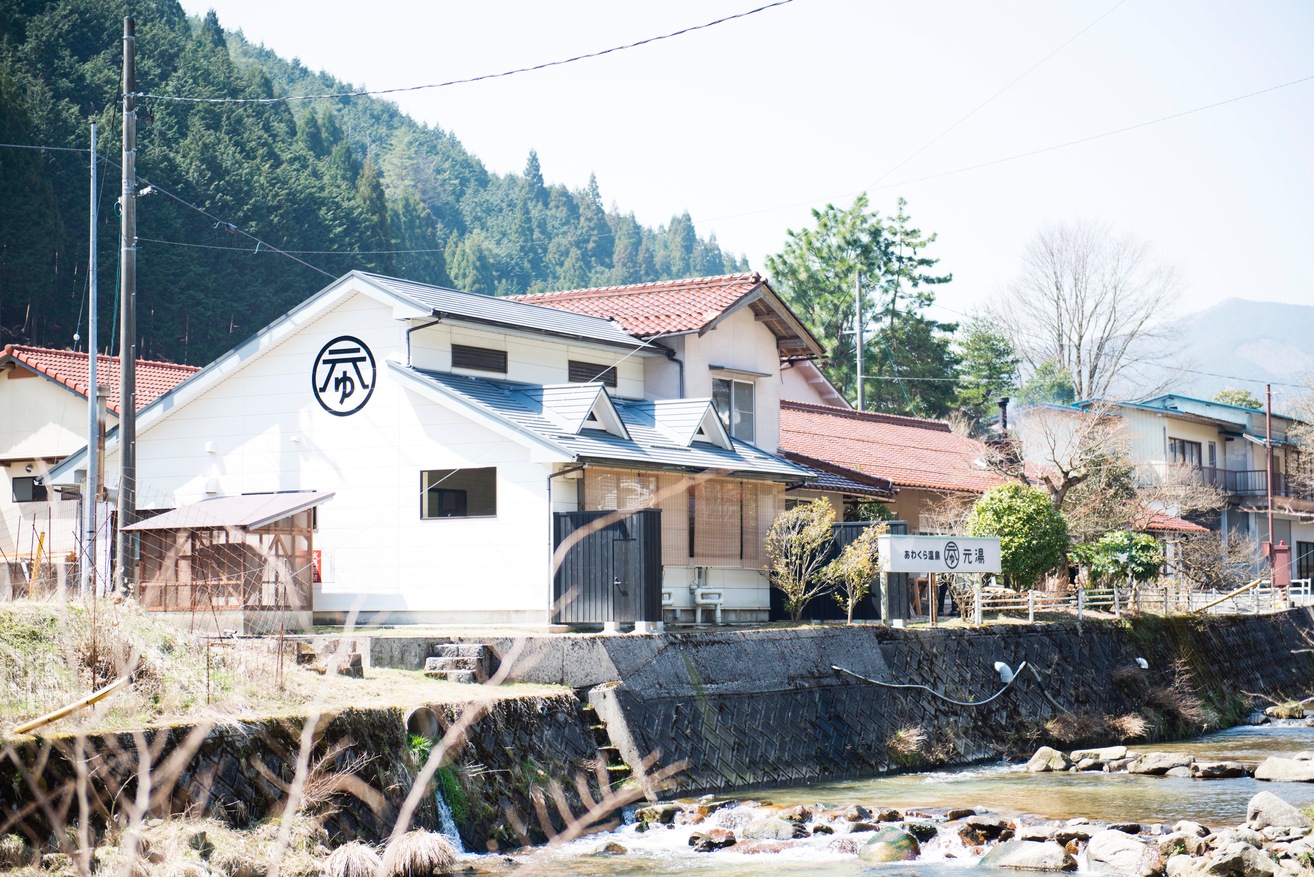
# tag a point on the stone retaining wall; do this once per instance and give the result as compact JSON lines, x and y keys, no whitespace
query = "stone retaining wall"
{"x":514,"y":777}
{"x":741,"y":708}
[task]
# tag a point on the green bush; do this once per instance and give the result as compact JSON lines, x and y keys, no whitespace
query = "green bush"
{"x":1033,"y":536}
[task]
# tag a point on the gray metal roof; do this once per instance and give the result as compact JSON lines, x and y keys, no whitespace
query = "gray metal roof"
{"x":249,"y":512}
{"x":652,"y":438}
{"x":506,"y":313}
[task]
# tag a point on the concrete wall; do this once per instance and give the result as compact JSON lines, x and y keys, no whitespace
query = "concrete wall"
{"x":745,"y":708}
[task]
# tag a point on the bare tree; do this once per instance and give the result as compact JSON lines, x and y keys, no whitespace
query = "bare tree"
{"x":1081,"y":457}
{"x":1094,"y":303}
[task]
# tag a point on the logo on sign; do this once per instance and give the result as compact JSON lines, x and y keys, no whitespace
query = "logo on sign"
{"x":951,"y":555}
{"x":343,"y":375}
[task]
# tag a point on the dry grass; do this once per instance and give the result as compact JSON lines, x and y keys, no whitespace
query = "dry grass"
{"x":1074,"y":728}
{"x":1130,"y":727}
{"x":52,"y":654}
{"x":352,"y":860}
{"x":15,"y":853}
{"x":907,"y":742}
{"x":419,"y":854}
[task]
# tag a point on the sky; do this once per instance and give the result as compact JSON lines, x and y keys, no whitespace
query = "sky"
{"x":955,"y":105}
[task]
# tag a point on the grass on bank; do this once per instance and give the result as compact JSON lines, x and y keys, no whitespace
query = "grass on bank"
{"x":52,"y":654}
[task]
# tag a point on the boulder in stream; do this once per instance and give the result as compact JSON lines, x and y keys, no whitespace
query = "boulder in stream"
{"x":890,"y":845}
{"x":1289,"y":710}
{"x":1159,"y":763}
{"x":1048,"y":759}
{"x":1267,"y":809}
{"x":1285,"y":770}
{"x":773,"y":828}
{"x":1119,"y":852}
{"x":1029,"y":855}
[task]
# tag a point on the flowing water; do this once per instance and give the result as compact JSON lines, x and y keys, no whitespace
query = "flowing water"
{"x":998,"y":788}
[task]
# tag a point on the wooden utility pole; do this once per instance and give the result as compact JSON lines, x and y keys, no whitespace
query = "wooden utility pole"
{"x":127,"y":505}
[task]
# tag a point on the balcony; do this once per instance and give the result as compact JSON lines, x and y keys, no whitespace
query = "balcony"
{"x":1253,"y":482}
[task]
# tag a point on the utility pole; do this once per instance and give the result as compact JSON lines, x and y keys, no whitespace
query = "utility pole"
{"x":128,"y":317}
{"x":1268,"y":460}
{"x":862,"y":398}
{"x":91,"y":487}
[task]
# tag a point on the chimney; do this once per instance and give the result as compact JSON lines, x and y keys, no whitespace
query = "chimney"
{"x":1003,"y":413}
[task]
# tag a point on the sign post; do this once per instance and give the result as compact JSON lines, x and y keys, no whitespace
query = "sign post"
{"x":930,"y":554}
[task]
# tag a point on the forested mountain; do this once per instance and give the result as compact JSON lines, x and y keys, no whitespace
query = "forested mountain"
{"x":338,"y":183}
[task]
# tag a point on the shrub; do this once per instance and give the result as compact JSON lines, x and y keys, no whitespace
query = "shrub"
{"x":852,"y":573}
{"x":1032,"y":533}
{"x":796,"y":546}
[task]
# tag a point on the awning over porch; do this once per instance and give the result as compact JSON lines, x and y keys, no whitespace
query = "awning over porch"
{"x":249,"y":512}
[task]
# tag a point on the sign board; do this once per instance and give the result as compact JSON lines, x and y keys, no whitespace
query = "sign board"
{"x":922,"y":554}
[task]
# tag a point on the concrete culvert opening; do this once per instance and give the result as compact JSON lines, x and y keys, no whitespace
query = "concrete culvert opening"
{"x":423,"y":721}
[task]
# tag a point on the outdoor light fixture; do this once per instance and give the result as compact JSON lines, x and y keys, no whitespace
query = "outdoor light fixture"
{"x":28,"y":468}
{"x":1005,"y":672}
{"x":1142,"y":663}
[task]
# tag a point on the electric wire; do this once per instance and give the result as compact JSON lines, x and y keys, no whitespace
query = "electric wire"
{"x":928,"y":144}
{"x":469,"y":79}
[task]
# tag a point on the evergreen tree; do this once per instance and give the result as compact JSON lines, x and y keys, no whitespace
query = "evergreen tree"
{"x":908,"y":358}
{"x":987,"y":370}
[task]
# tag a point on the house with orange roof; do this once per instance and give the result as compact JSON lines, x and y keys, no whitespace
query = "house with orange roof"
{"x":923,"y":460}
{"x":43,"y":418}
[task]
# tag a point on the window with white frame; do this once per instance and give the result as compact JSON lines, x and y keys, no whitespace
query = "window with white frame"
{"x":734,"y":402}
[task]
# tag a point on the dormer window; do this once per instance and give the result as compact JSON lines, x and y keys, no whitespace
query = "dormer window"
{"x":734,"y":402}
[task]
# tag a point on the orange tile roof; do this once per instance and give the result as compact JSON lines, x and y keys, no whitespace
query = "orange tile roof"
{"x":909,"y":451}
{"x":69,"y":368}
{"x":1162,"y":522}
{"x":676,"y":307}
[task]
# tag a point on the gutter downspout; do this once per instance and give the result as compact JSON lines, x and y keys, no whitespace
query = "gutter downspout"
{"x":552,"y":549}
{"x":670,"y":354}
{"x":438,"y":318}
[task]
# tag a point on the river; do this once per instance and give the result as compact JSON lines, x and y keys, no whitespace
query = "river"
{"x":1004,"y":789}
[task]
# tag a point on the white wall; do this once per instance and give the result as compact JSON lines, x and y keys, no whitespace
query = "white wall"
{"x":40,"y":422}
{"x":267,"y":432}
{"x":739,"y":342}
{"x":530,"y":360}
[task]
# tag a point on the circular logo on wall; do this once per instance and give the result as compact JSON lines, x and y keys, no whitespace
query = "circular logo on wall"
{"x":343,"y":375}
{"x":951,"y":555}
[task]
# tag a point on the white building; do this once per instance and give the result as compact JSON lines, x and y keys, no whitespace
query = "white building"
{"x":417,"y":441}
{"x":43,"y":418}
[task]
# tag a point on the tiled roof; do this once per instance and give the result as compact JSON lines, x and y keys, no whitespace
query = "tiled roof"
{"x":909,"y":451}
{"x":1162,"y":522}
{"x":69,"y":368}
{"x":673,"y":307}
{"x":650,"y":427}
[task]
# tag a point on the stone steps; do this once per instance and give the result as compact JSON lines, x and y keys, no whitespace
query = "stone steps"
{"x":468,"y":663}
{"x":617,"y":770}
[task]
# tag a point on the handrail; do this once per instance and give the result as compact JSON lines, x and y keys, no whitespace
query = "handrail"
{"x":1240,"y":590}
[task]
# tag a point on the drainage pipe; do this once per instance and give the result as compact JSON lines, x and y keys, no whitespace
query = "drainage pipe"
{"x":945,"y":698}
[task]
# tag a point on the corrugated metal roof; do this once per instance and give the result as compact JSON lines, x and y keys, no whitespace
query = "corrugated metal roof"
{"x":652,"y":440}
{"x":505,"y":312}
{"x":249,"y":512}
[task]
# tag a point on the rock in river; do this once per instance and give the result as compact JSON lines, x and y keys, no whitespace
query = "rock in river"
{"x":1029,"y":855}
{"x":890,"y":845}
{"x":1267,"y":809}
{"x":1285,"y":770}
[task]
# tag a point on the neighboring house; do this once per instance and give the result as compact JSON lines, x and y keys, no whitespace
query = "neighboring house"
{"x":923,"y":460}
{"x":421,"y":444}
{"x":1225,"y":447}
{"x":43,"y":418}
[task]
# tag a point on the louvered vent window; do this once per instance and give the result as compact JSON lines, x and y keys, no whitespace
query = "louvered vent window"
{"x":592,"y":373}
{"x":481,"y":359}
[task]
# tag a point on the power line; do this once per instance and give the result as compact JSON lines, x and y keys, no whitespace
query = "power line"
{"x":1082,"y":140}
{"x":928,"y":144}
{"x":465,"y":81}
{"x":44,"y":148}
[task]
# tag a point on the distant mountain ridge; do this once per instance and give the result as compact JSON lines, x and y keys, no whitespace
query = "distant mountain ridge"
{"x":1245,"y":344}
